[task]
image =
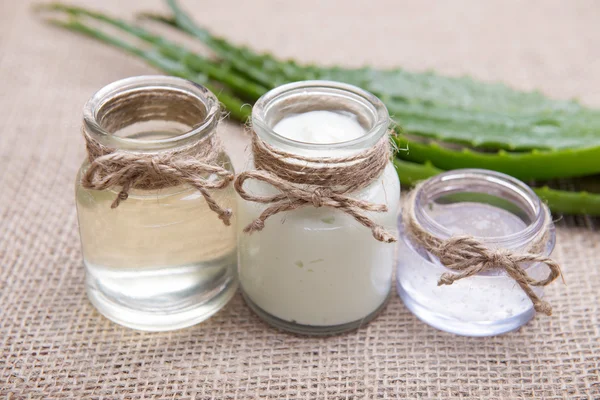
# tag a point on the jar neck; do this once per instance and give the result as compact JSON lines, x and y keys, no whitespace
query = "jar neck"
{"x":151,"y":114}
{"x":485,"y":187}
{"x":305,"y":96}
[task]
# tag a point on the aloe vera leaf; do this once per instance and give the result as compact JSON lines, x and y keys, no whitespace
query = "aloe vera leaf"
{"x":488,"y":129}
{"x":459,"y":92}
{"x":263,"y":68}
{"x":411,"y":173}
{"x":156,"y":59}
{"x":215,"y":71}
{"x":526,"y":166}
{"x":393,"y":83}
{"x":513,"y":164}
{"x":245,"y":59}
{"x":498,"y":116}
{"x":565,"y":202}
{"x":415,"y":118}
{"x":278,"y":71}
{"x":516,"y":163}
{"x":463,"y":111}
{"x":575,"y":202}
{"x":559,"y":201}
{"x":489,"y":115}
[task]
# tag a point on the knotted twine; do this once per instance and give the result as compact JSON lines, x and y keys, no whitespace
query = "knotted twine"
{"x":316,"y":181}
{"x":469,"y":256}
{"x":192,"y":164}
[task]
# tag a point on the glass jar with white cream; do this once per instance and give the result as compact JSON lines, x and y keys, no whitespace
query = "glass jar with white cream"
{"x":317,"y":269}
{"x":503,"y":214}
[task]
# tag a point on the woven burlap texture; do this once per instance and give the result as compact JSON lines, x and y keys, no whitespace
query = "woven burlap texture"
{"x":54,"y":345}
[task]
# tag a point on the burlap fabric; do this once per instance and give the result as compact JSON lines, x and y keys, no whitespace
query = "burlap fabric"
{"x":53,"y":344}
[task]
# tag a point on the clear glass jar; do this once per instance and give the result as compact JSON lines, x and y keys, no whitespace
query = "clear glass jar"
{"x":162,"y":259}
{"x":317,"y":270}
{"x":497,"y":209}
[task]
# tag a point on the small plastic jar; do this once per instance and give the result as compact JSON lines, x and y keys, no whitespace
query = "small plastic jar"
{"x":161,"y":259}
{"x":316,"y":270}
{"x":498,"y":210}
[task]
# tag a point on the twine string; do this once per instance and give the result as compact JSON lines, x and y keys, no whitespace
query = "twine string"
{"x":468,"y":256}
{"x":316,"y":181}
{"x":195,"y":164}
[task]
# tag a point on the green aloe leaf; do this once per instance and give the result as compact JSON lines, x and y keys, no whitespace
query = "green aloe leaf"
{"x":216,"y":71}
{"x":530,"y":165}
{"x":457,"y":110}
{"x":152,"y":55}
{"x":559,"y":201}
{"x":222,"y":76}
{"x":264,"y":69}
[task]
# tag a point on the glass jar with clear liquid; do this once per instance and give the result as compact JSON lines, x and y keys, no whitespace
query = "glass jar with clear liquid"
{"x":162,"y":259}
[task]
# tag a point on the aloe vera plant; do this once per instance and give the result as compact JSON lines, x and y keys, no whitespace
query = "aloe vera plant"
{"x":453,"y":109}
{"x":559,"y":201}
{"x":446,"y":121}
{"x":529,"y":165}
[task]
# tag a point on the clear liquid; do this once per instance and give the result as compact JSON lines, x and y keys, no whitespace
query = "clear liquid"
{"x":161,"y":260}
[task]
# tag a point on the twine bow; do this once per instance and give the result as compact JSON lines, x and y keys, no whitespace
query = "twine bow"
{"x":469,"y":256}
{"x":292,"y":197}
{"x":321,"y":182}
{"x":112,"y":168}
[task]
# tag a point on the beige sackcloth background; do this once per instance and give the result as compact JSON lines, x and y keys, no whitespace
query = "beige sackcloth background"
{"x":55,"y":345}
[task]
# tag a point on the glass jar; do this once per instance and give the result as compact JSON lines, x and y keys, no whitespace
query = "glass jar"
{"x":500,"y":211}
{"x":162,"y":259}
{"x":317,"y":270}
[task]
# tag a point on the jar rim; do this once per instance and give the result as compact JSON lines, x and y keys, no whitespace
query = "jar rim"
{"x":324,"y":87}
{"x":138,"y":84}
{"x":453,"y":181}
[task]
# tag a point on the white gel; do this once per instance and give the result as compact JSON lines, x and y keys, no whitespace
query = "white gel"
{"x":490,"y":296}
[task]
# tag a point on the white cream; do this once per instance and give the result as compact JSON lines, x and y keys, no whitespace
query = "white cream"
{"x":319,"y":266}
{"x":492,"y":296}
{"x":320,"y":127}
